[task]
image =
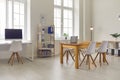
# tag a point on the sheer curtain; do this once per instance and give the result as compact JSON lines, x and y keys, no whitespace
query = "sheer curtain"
{"x":2,"y":18}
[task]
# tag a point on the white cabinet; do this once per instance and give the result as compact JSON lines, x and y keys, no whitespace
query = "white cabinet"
{"x":46,"y":41}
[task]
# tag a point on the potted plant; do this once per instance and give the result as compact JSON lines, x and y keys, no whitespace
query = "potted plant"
{"x":115,"y":35}
{"x":65,"y":35}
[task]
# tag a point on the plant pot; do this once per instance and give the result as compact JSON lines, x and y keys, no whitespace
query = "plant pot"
{"x":65,"y":38}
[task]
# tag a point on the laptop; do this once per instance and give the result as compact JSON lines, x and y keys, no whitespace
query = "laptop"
{"x":73,"y":39}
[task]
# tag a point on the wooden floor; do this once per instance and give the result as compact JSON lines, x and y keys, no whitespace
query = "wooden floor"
{"x":51,"y":69}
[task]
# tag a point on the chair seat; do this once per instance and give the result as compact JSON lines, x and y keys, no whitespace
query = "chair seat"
{"x":15,"y":48}
{"x":89,"y":51}
{"x":102,"y":51}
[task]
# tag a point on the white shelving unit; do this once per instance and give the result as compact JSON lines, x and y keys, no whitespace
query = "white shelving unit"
{"x":46,"y":41}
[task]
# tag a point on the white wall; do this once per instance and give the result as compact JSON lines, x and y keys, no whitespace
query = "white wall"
{"x":87,"y":19}
{"x":40,"y":8}
{"x":105,"y":18}
{"x":76,"y":18}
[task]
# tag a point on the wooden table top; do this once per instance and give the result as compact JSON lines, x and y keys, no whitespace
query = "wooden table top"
{"x":79,"y":43}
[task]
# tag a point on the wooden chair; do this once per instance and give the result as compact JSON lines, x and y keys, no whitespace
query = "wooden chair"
{"x":15,"y":48}
{"x":89,"y":51}
{"x":102,"y":51}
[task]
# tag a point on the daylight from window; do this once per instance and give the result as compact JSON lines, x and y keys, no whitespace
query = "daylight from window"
{"x":63,"y":17}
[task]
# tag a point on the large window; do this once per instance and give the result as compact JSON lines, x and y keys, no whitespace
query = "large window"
{"x":63,"y":17}
{"x":2,"y":17}
{"x":13,"y":16}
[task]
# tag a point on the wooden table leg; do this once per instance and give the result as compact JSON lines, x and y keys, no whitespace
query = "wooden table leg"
{"x":104,"y":57}
{"x":61,"y":54}
{"x":76,"y":58}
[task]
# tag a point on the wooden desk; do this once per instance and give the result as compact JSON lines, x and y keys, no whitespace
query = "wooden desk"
{"x":76,"y":48}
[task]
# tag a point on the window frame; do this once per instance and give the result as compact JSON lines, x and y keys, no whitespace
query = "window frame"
{"x":24,"y":28}
{"x":62,"y":8}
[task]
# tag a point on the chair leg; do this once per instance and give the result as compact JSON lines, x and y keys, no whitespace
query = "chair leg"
{"x":67,"y":56}
{"x":83,"y":55}
{"x":106,"y":61}
{"x":65,"y":52}
{"x":93,"y":61}
{"x":71,"y":55}
{"x":100,"y":59}
{"x":82,"y":52}
{"x":83,"y":60}
{"x":19,"y":57}
{"x":12,"y":61}
{"x":104,"y":58}
{"x":88,"y":61}
{"x":79,"y":56}
{"x":10,"y":58}
{"x":96,"y":57}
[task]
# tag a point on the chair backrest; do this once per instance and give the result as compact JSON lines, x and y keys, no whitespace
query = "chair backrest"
{"x":103,"y":47}
{"x":73,"y":39}
{"x":91,"y":48}
{"x":16,"y":46}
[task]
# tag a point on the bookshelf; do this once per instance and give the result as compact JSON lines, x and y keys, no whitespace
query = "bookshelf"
{"x":46,"y":41}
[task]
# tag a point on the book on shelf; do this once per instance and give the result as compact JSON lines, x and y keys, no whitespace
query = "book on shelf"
{"x":50,"y":30}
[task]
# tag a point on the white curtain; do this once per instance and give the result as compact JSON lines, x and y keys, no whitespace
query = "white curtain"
{"x":2,"y":18}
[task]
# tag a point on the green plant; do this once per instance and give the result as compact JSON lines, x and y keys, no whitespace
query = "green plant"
{"x":65,"y":35}
{"x":115,"y":35}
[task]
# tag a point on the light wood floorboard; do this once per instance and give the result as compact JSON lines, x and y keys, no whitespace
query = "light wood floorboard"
{"x":51,"y":69}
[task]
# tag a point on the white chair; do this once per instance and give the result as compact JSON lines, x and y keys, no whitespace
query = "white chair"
{"x":69,"y":51}
{"x":89,"y":51}
{"x":102,"y":51}
{"x":15,"y":48}
{"x":83,"y":49}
